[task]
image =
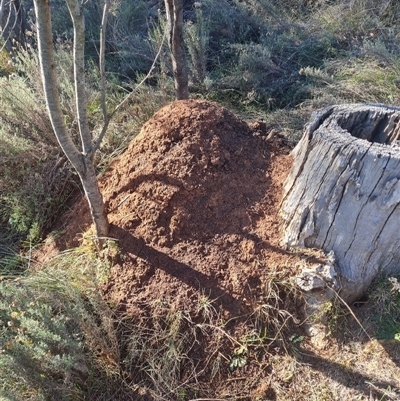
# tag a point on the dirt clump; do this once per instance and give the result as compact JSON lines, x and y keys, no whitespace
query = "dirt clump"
{"x":193,"y":203}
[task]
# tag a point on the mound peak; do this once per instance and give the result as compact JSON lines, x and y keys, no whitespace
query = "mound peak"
{"x":194,"y":205}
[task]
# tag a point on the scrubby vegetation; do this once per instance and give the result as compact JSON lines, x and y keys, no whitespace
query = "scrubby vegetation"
{"x":272,"y":60}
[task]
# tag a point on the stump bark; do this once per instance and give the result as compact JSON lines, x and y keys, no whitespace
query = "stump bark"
{"x":343,"y":192}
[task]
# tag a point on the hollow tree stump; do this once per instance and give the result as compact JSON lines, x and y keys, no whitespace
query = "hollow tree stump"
{"x":343,"y":192}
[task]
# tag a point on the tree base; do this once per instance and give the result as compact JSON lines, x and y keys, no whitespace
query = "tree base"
{"x":343,"y":193}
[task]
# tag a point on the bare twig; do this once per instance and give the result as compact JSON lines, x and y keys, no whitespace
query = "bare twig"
{"x":127,"y":97}
{"x":102,"y":61}
{"x":4,"y":29}
{"x":351,"y":312}
{"x":390,"y":394}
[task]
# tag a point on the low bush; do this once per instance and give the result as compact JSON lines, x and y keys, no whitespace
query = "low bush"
{"x":56,"y":332}
{"x":35,"y":179}
{"x":385,"y":294}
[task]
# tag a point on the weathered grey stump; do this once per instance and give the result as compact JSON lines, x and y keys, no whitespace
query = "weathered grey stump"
{"x":343,"y":192}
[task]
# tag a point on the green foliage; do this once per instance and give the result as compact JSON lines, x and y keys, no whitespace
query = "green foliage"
{"x":238,"y":358}
{"x":6,"y":64}
{"x":250,"y":53}
{"x":252,"y":67}
{"x":35,"y":180}
{"x":352,"y":23}
{"x":61,"y":20}
{"x":39,"y":346}
{"x":130,"y":48}
{"x":55,"y":331}
{"x":11,"y":263}
{"x":294,"y":342}
{"x":386,"y":296}
{"x":162,"y":75}
{"x":333,"y":314}
{"x":357,"y":80}
{"x":280,"y":61}
{"x":247,"y":343}
{"x":228,"y":22}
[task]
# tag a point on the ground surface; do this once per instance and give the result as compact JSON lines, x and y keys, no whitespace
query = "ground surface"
{"x":193,"y":204}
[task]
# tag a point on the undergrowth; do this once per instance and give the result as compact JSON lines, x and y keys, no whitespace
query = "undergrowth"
{"x":54,"y":328}
{"x":36,"y":179}
{"x":385,"y":294}
{"x":60,"y":340}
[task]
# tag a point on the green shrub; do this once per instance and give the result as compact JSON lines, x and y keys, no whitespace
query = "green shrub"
{"x":34,"y":184}
{"x":227,"y":23}
{"x":57,"y":336}
{"x":35,"y":178}
{"x":386,"y":296}
{"x":129,"y":47}
{"x":6,"y":64}
{"x":40,"y":346}
{"x":373,"y":78}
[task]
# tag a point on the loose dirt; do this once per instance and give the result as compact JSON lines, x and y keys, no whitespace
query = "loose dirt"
{"x":193,"y":204}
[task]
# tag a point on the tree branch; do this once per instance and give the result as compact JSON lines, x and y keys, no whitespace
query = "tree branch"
{"x":4,"y":29}
{"x":127,"y":97}
{"x":78,"y":19}
{"x":50,"y":84}
{"x":102,"y":61}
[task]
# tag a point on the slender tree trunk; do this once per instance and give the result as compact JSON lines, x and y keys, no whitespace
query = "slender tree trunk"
{"x":95,"y":200}
{"x":174,"y":10}
{"x":102,"y":68}
{"x":81,"y":161}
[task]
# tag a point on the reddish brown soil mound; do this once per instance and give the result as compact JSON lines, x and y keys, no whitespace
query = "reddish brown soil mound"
{"x":193,"y":204}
